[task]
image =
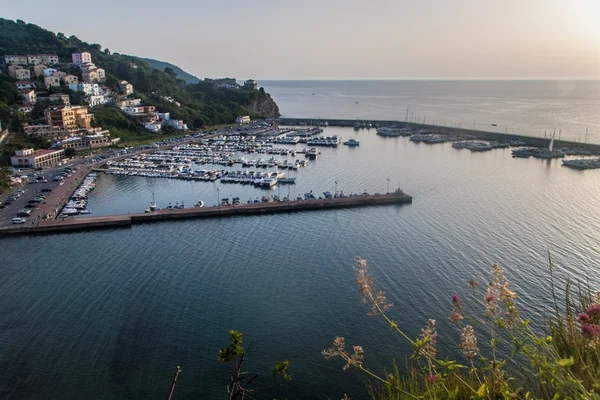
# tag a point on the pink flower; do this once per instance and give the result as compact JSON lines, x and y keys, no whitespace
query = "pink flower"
{"x":589,"y":330}
{"x":489,"y":297}
{"x":432,"y":378}
{"x":593,"y":310}
{"x":583,"y":317}
{"x":455,"y":300}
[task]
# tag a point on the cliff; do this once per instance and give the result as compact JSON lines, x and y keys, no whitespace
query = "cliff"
{"x":263,"y":106}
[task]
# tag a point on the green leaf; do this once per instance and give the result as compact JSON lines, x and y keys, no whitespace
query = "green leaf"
{"x":482,"y":390}
{"x":566,"y":362}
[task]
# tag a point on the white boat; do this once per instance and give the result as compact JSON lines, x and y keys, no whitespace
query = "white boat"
{"x":352,"y":142}
{"x":70,"y":211}
{"x":200,"y":203}
{"x":86,"y":211}
{"x":268,"y":182}
{"x":390,"y":132}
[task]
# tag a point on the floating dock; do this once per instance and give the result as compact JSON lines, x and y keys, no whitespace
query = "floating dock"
{"x":117,"y":221}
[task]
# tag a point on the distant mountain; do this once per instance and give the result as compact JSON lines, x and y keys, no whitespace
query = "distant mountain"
{"x":181,"y":74}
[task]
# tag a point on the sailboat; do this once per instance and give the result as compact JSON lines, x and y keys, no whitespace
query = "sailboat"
{"x":550,"y":152}
{"x":152,"y":207}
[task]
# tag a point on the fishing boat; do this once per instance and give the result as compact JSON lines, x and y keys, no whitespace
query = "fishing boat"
{"x":287,"y":181}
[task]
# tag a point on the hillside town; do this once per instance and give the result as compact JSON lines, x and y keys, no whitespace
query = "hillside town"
{"x":45,"y":78}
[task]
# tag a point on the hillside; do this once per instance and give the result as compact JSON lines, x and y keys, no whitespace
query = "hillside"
{"x":181,"y":74}
{"x":201,"y":104}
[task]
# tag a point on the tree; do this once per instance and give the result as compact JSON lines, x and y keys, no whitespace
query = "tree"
{"x":171,"y":72}
{"x":18,"y":121}
{"x":70,"y":152}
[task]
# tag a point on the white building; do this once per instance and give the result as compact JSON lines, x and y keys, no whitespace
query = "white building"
{"x":81,"y":58}
{"x":242,"y":119}
{"x":22,"y":85}
{"x":152,"y":127}
{"x":97,"y":100}
{"x":28,"y":158}
{"x":28,"y":95}
{"x":133,"y":110}
{"x":177,"y":124}
{"x":130,"y":103}
{"x":90,"y":89}
{"x":49,"y":71}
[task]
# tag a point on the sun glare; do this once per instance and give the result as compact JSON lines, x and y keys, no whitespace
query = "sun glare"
{"x":588,"y":16}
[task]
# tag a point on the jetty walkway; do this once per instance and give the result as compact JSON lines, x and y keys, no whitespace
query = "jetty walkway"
{"x":127,"y":220}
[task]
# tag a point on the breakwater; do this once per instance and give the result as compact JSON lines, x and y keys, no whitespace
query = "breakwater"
{"x":116,"y":221}
{"x":449,"y":130}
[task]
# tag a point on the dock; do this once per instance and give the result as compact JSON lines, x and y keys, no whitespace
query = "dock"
{"x":127,"y":220}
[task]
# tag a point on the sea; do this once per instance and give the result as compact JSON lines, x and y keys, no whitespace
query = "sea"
{"x":110,"y":314}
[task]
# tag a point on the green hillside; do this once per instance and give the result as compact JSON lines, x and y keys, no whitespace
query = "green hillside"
{"x":200,"y":103}
{"x":181,"y":74}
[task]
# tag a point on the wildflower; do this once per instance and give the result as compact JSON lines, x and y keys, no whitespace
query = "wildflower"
{"x":338,"y":349}
{"x":583,"y":317}
{"x":432,"y":378}
{"x":489,"y":297}
{"x":429,"y":337}
{"x":593,"y":310}
{"x":473,"y":284}
{"x":369,"y":292}
{"x":468,"y":343}
{"x":589,"y":330}
{"x":455,"y":316}
{"x":455,"y":300}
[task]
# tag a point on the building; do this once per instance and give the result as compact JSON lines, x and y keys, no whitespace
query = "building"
{"x":177,"y":124}
{"x":101,"y":74}
{"x":26,"y":108}
{"x":133,"y":110}
{"x":224,"y":83}
{"x":69,"y":117}
{"x":130,"y":103}
{"x":60,"y":74}
{"x":90,"y":89}
{"x":28,"y":158}
{"x":38,"y":70}
{"x":49,"y":71}
{"x":22,"y":85}
{"x":49,"y":59}
{"x":81,"y":58}
{"x":242,"y":119}
{"x":33,"y":59}
{"x":153,"y":126}
{"x":99,"y":138}
{"x":48,"y":132}
{"x":51,"y":81}
{"x":70,"y":79}
{"x":60,"y":98}
{"x":251,"y":84}
{"x":96,"y":100}
{"x":90,"y":76}
{"x":15,"y":60}
{"x":126,"y":88}
{"x":28,"y":95}
{"x":21,"y":74}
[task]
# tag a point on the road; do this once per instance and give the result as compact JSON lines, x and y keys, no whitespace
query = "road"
{"x":81,"y":167}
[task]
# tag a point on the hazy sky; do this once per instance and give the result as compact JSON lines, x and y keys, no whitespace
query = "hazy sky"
{"x":335,"y":39}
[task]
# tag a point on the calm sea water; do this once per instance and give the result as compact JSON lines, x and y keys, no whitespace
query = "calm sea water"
{"x":523,"y":107}
{"x":109,"y":314}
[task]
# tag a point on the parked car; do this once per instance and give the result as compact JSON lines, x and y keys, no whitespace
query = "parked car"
{"x":46,"y":190}
{"x":23,"y":214}
{"x":18,"y":220}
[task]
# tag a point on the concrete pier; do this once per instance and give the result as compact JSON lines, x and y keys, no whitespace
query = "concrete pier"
{"x":116,"y":221}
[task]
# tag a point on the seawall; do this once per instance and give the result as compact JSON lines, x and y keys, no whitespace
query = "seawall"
{"x":445,"y":130}
{"x":122,"y":221}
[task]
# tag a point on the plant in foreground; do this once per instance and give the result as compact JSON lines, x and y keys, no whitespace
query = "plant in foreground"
{"x":564,"y":364}
{"x":242,"y":384}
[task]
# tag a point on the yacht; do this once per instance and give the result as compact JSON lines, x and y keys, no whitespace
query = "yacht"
{"x":268,"y":182}
{"x":287,"y":180}
{"x":392,"y":132}
{"x":70,"y":211}
{"x":312,"y":154}
{"x":352,"y":142}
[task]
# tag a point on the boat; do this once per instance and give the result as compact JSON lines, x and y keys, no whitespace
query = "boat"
{"x":287,"y":181}
{"x":312,"y":154}
{"x":352,"y":142}
{"x":582,"y":163}
{"x":393,"y":132}
{"x":70,"y":211}
{"x":86,"y":211}
{"x":268,"y":182}
{"x":200,"y":203}
{"x":153,"y":204}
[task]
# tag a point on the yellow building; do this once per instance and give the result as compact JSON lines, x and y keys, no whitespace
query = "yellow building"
{"x":51,"y":81}
{"x":69,"y":117}
{"x":38,"y":70}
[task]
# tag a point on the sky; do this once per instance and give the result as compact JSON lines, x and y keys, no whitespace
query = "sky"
{"x":335,"y":39}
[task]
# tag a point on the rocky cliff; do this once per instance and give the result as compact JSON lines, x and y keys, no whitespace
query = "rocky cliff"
{"x":263,"y":106}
